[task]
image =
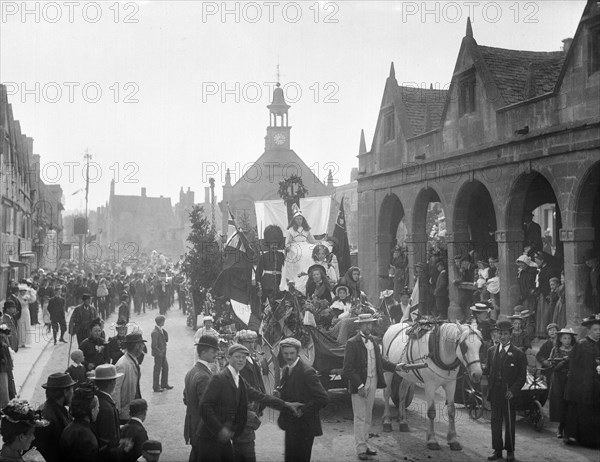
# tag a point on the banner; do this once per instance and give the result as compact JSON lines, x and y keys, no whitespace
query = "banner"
{"x":242,"y":311}
{"x":316,"y":210}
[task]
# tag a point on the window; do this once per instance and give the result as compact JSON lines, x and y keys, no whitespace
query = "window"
{"x":388,"y":127}
{"x":594,"y":50}
{"x":467,"y":93}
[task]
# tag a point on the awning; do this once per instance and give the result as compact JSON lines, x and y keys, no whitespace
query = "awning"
{"x":16,"y":263}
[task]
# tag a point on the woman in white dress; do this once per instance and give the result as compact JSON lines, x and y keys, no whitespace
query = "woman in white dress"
{"x":26,"y":296}
{"x":298,"y":251}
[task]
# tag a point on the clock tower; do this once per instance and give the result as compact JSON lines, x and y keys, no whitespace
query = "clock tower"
{"x":278,"y":131}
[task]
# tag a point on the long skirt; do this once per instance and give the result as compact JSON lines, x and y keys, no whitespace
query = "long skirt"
{"x":541,"y":317}
{"x":25,"y":327}
{"x":558,"y":404}
{"x":583,"y":423}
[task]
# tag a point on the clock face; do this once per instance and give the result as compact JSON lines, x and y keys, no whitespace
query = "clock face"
{"x":279,"y":138}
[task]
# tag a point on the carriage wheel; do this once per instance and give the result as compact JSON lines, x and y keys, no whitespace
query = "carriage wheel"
{"x":538,"y":417}
{"x":472,"y":400}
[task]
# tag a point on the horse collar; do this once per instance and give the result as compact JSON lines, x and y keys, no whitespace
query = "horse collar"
{"x":434,"y":351}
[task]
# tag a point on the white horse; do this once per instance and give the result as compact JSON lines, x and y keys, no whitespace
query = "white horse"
{"x":452,"y":344}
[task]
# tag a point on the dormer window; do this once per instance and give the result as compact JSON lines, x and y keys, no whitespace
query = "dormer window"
{"x":389,"y":132}
{"x":467,"y":93}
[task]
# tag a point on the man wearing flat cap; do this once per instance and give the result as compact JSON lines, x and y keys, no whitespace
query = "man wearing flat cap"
{"x":506,"y":368}
{"x":196,"y":381}
{"x":224,"y":411}
{"x":300,"y":383}
{"x":59,"y":392}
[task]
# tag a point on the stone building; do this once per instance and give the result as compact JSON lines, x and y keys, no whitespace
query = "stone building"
{"x":260,"y":180}
{"x":131,"y":225}
{"x":517,"y":132}
{"x":17,"y":183}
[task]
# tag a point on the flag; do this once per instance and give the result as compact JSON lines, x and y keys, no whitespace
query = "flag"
{"x":413,"y":310}
{"x":342,"y":249}
{"x":234,"y":281}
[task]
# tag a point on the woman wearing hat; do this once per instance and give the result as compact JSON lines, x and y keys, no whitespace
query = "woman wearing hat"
{"x":78,"y":442}
{"x":583,"y":388}
{"x":520,"y":337}
{"x":17,"y":428}
{"x":526,"y":274}
{"x":94,"y":347}
{"x":26,"y":297}
{"x":559,"y":358}
{"x":547,"y":270}
{"x":298,"y":252}
{"x":318,"y":295}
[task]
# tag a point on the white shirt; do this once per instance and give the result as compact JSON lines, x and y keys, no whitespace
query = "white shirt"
{"x":235,"y":374}
{"x":504,"y":347}
{"x":135,"y":418}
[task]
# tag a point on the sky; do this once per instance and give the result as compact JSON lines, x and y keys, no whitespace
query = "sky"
{"x":165,"y":94}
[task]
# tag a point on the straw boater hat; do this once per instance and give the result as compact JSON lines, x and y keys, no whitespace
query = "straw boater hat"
{"x":59,"y":380}
{"x":4,"y":329}
{"x":384,"y":293}
{"x":362,"y":318}
{"x":106,"y":372}
{"x":480,"y":307}
{"x":569,"y":331}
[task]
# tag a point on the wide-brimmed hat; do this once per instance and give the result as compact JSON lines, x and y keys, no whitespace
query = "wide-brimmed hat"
{"x":503,"y":325}
{"x":591,"y":320}
{"x":20,"y":411}
{"x":525,"y":259}
{"x":367,"y":317}
{"x":314,"y":267}
{"x":384,"y":293}
{"x":106,"y":372}
{"x":59,"y":380}
{"x":525,"y":314}
{"x":121,"y":322}
{"x":134,"y":337}
{"x":209,"y":341}
{"x":569,"y":331}
{"x":208,"y":318}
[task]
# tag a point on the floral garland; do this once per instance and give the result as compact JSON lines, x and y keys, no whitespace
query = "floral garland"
{"x":297,"y":186}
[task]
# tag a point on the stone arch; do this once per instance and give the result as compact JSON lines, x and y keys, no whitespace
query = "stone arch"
{"x":391,"y":213}
{"x":419,"y":221}
{"x":586,"y":204}
{"x":474,"y":221}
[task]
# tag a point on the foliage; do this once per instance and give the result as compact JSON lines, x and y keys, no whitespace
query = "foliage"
{"x":291,"y":190}
{"x":204,"y":259}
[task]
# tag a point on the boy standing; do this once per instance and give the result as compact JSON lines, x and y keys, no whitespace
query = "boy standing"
{"x":160,"y":337}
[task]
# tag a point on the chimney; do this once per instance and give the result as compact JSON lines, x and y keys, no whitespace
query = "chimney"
{"x":143,"y":192}
{"x":353,"y":174}
{"x":207,"y":194}
{"x":567,"y":44}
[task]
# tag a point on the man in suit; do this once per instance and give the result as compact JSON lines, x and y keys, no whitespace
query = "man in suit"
{"x":59,"y":392}
{"x":224,"y":411}
{"x":81,"y":319}
{"x":532,"y":233}
{"x":56,"y":310}
{"x":128,"y":386}
{"x":364,"y":366}
{"x":300,"y":383}
{"x":160,"y":337}
{"x":506,"y":368}
{"x":133,"y":433}
{"x":106,"y":424}
{"x":440,"y":292}
{"x":196,"y":381}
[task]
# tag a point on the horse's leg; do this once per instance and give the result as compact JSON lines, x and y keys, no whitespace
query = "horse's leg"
{"x":402,"y":392}
{"x":387,"y":422}
{"x":450,"y":388}
{"x":430,"y":398}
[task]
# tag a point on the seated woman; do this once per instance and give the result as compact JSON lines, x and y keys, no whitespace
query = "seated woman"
{"x":297,"y":245}
{"x":342,"y":305}
{"x":318,"y":295}
{"x":352,"y":280}
{"x":320,"y":256}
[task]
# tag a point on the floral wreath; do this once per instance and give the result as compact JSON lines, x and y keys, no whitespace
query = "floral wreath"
{"x":299,"y":190}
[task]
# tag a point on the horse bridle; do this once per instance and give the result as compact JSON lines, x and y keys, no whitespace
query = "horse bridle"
{"x":463,"y":347}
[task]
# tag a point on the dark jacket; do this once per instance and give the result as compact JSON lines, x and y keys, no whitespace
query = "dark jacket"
{"x":56,"y":309}
{"x":107,"y":426}
{"x":47,"y":437}
{"x":77,"y":373}
{"x":303,"y":386}
{"x":134,"y":431}
{"x":526,"y":279}
{"x":81,"y":319}
{"x":441,"y":285}
{"x":583,"y":383}
{"x":78,"y":443}
{"x":159,"y":342}
{"x":223,"y":405}
{"x":94,"y":352}
{"x":355,"y":364}
{"x":510,"y":372}
{"x":114,"y":348}
{"x":196,"y":381}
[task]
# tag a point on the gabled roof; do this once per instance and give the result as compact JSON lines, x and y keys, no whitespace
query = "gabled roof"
{"x":422,"y":107}
{"x":510,"y":70}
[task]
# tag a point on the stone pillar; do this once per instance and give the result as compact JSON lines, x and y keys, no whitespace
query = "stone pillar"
{"x":575,"y":243}
{"x":383,"y":250}
{"x":510,"y":246}
{"x":457,"y":245}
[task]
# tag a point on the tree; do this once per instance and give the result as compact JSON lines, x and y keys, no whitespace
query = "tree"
{"x":204,"y":260}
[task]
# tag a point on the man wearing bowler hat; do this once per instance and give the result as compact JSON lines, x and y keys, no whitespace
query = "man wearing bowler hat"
{"x":196,"y":381}
{"x":82,"y":317}
{"x":128,"y":386}
{"x":364,"y":366}
{"x":106,"y":424}
{"x":59,"y":392}
{"x":506,"y":368}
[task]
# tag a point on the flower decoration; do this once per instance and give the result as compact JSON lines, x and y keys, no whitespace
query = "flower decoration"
{"x":291,"y":189}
